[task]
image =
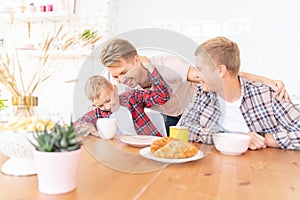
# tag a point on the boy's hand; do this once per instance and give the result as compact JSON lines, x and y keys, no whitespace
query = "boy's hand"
{"x":86,"y":129}
{"x":115,"y":101}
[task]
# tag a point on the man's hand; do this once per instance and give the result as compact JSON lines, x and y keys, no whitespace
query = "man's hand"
{"x":257,"y":141}
{"x":279,"y":88}
{"x":146,"y":63}
{"x":276,"y":85}
{"x":194,"y":75}
{"x":270,"y":141}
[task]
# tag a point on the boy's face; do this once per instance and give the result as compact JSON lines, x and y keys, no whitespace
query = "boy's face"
{"x":108,"y":100}
{"x":122,"y":71}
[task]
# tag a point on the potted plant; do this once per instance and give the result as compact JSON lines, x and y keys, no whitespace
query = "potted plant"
{"x":88,"y":38}
{"x":56,"y":155}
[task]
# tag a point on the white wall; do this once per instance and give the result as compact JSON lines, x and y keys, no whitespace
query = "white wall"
{"x":267,"y":31}
{"x":57,"y":94}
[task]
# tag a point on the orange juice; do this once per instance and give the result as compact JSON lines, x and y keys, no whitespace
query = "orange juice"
{"x":179,"y":132}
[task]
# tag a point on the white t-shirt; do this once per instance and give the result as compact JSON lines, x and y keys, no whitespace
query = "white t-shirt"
{"x":125,"y":123}
{"x":231,"y":118}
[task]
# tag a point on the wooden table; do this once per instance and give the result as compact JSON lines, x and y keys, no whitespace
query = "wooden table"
{"x":262,"y":174}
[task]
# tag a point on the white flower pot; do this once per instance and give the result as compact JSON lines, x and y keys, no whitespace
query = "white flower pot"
{"x":57,"y":171}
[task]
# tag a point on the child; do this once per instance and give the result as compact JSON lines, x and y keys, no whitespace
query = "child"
{"x":106,"y":100}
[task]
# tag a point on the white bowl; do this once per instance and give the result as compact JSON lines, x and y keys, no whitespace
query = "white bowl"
{"x":231,"y":143}
{"x":16,"y":146}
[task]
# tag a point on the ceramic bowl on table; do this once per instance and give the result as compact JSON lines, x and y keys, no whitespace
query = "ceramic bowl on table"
{"x":231,"y":143}
{"x":15,"y":145}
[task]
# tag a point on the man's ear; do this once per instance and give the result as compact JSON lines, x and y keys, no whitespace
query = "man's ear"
{"x":136,"y":60}
{"x":222,"y":69}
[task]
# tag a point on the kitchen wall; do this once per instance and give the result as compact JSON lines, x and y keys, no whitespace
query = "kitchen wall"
{"x":267,"y":31}
{"x":56,"y":95}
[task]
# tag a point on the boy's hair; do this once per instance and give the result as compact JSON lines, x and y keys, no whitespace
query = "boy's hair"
{"x":221,"y":51}
{"x":95,"y":85}
{"x":116,"y":49}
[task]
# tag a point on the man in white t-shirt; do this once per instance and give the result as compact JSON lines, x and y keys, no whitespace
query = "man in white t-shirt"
{"x":125,"y":66}
{"x":227,"y":102}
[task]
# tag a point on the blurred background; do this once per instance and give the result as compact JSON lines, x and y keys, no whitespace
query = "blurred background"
{"x":267,"y":33}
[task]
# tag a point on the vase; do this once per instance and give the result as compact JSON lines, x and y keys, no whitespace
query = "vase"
{"x":17,"y":131}
{"x":57,"y":171}
{"x":14,"y":143}
{"x":24,"y":106}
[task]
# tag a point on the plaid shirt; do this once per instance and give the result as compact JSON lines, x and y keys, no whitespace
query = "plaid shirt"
{"x":261,"y":112}
{"x":135,"y":101}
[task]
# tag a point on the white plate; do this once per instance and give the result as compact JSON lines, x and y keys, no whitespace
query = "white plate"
{"x":139,"y":140}
{"x":146,"y":152}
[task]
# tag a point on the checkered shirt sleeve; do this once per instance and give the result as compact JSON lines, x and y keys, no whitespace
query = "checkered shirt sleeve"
{"x":263,"y":113}
{"x":90,"y":118}
{"x":201,"y":117}
{"x":137,"y":100}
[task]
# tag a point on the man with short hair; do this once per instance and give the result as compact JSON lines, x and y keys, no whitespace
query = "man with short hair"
{"x":227,"y":102}
{"x":125,"y":66}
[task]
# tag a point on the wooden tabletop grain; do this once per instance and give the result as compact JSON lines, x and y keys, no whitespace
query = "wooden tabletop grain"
{"x":262,"y":174}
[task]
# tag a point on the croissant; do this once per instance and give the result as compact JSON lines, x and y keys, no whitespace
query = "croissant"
{"x":172,"y":148}
{"x":157,"y":144}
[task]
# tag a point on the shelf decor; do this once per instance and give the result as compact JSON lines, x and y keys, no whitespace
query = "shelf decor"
{"x":24,"y":117}
{"x":12,"y":75}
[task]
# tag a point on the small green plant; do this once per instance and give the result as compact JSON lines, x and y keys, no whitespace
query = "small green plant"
{"x":88,"y":34}
{"x":2,"y":104}
{"x":59,"y":139}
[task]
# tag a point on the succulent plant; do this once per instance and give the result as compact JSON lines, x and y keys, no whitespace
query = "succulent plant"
{"x":59,"y":139}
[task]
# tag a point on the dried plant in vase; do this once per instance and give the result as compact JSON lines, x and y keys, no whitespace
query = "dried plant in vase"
{"x":16,"y":81}
{"x":22,"y":87}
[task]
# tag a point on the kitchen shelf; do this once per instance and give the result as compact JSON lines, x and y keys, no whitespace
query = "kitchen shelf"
{"x":55,"y":16}
{"x":74,"y":53}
